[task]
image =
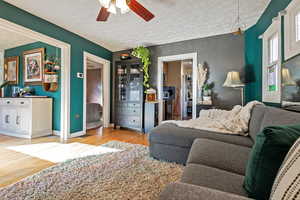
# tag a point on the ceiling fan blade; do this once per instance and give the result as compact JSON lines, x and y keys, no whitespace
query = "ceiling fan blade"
{"x":103,"y":15}
{"x":140,"y":10}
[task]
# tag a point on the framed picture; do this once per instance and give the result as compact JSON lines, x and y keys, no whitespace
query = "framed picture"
{"x":11,"y":70}
{"x":33,"y":66}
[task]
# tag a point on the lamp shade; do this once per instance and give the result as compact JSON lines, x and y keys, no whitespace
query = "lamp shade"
{"x":233,"y":80}
{"x":286,"y":78}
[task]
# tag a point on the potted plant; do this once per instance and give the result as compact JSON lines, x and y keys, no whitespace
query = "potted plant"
{"x":207,"y":91}
{"x":144,"y":54}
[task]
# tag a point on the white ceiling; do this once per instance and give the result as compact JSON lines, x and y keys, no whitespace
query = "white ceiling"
{"x":176,"y":20}
{"x":10,"y":39}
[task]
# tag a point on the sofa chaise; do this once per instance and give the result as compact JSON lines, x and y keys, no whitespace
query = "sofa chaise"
{"x":172,"y":143}
{"x":215,"y":163}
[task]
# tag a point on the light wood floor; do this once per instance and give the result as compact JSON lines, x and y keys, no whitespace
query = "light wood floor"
{"x":15,"y":166}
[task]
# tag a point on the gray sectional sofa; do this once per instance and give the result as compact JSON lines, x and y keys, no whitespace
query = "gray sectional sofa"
{"x":215,"y":162}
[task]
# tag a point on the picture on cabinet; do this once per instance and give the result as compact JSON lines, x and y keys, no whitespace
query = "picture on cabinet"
{"x":33,"y":62}
{"x":11,"y":70}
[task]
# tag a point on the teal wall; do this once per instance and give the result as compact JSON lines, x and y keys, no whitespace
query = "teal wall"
{"x":56,"y":96}
{"x":78,"y":45}
{"x":253,"y":49}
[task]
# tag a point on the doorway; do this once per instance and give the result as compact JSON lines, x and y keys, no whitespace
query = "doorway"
{"x":178,"y":105}
{"x":65,"y":70}
{"x":96,"y":89}
{"x":177,"y":90}
{"x":94,"y":95}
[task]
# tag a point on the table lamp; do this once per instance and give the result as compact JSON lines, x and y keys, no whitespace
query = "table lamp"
{"x":233,"y":81}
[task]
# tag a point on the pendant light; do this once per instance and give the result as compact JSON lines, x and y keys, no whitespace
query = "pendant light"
{"x":238,"y":27}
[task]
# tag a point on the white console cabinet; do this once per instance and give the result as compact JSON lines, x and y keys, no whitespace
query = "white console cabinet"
{"x":26,"y":117}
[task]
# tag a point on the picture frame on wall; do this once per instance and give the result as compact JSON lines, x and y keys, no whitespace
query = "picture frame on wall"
{"x":33,"y":66}
{"x":11,"y":70}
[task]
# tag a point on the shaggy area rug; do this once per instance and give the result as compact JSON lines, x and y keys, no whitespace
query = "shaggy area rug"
{"x":127,"y":175}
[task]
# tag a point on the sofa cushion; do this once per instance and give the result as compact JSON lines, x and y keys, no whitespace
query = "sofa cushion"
{"x":287,"y":183}
{"x":270,"y":148}
{"x":171,"y":134}
{"x":229,"y":157}
{"x":183,"y":191}
{"x":255,"y":123}
{"x":276,"y":116}
{"x":218,"y":179}
{"x":170,"y":153}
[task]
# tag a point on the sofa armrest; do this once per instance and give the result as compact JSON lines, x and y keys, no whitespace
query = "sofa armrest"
{"x":183,"y":191}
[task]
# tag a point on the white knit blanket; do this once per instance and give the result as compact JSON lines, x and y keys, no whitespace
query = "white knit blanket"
{"x":235,"y":121}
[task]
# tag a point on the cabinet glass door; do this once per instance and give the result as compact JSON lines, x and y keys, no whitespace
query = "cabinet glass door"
{"x":122,"y":80}
{"x":135,"y":83}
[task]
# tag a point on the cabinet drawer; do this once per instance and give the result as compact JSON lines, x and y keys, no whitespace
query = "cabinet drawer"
{"x":134,"y":105}
{"x":122,"y":122}
{"x":122,"y":111}
{"x":20,"y":102}
{"x":134,"y":111}
{"x":134,"y":122}
{"x":15,"y":102}
{"x":6,"y":102}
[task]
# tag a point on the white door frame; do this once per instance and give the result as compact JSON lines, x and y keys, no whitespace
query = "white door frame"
{"x":106,"y":87}
{"x":65,"y":69}
{"x":160,"y":64}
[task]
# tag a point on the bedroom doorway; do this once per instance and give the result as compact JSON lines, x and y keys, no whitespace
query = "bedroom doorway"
{"x":96,"y":92}
{"x":177,"y":87}
{"x":94,"y":95}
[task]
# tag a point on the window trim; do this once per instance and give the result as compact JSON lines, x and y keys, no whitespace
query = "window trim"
{"x":269,"y":95}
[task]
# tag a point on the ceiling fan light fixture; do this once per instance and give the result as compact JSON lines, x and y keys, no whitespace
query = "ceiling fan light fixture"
{"x":122,"y":4}
{"x":112,"y":8}
{"x":125,"y":10}
{"x":105,"y":3}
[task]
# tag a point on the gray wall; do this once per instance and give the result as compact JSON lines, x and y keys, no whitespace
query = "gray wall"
{"x":221,"y":53}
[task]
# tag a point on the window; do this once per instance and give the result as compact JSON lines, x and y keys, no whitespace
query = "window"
{"x":273,"y":49}
{"x":272,"y":78}
{"x":272,"y":63}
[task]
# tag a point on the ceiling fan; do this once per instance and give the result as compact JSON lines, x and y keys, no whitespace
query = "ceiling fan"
{"x":110,"y":6}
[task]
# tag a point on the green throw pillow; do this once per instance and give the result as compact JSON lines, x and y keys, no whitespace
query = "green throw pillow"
{"x":270,"y":148}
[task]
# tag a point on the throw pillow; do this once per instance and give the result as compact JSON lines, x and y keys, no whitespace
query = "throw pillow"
{"x":270,"y":148}
{"x":287,"y":182}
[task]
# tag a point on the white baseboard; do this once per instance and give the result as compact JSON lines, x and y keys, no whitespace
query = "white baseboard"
{"x":57,"y":133}
{"x":77,"y":134}
{"x":72,"y":135}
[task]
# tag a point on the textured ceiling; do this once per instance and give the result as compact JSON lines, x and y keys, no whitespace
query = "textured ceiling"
{"x":176,"y":20}
{"x":10,"y":39}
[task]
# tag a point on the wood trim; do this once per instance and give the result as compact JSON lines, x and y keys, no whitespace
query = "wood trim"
{"x":160,"y":61}
{"x":33,"y":51}
{"x":271,"y":96}
{"x":9,"y":59}
{"x":106,"y":88}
